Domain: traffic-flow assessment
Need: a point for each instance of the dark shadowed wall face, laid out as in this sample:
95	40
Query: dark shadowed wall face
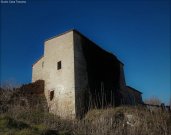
103	75
103	71
136	95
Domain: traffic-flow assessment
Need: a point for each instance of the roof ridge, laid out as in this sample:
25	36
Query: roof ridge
61	34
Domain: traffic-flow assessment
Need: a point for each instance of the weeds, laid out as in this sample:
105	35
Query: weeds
19	116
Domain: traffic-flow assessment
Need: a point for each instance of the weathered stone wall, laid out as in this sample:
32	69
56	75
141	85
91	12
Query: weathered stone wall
98	72
37	70
89	76
81	75
60	81
135	96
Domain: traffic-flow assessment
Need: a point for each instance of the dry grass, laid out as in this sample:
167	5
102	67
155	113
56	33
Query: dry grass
127	120
17	118
153	101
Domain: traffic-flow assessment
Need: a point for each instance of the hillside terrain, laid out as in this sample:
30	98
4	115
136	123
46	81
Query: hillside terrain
23	111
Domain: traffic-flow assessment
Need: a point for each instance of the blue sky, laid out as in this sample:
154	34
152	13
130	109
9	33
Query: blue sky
137	31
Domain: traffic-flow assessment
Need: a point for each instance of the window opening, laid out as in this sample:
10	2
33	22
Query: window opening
59	65
51	95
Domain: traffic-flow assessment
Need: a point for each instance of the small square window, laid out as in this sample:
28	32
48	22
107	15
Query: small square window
59	65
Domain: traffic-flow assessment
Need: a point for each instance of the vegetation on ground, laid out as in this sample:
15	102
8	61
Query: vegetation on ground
27	114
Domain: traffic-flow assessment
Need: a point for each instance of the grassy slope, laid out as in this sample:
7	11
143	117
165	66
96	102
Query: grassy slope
25	113
11	126
112	121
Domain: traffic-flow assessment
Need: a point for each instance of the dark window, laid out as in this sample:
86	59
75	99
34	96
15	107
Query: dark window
59	65
51	95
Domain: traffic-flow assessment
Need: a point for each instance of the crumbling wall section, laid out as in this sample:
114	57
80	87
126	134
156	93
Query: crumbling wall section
37	70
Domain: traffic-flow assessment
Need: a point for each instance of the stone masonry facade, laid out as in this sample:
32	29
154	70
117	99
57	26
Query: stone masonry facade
80	75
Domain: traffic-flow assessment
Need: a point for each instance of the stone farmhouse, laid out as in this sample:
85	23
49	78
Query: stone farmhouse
80	75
